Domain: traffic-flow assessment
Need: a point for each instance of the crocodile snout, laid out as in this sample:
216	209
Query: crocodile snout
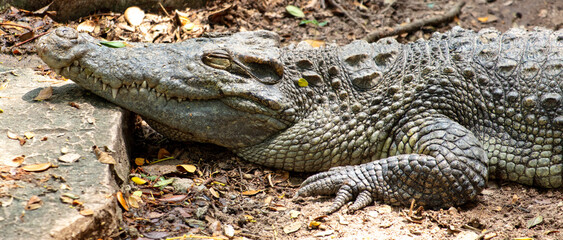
61	47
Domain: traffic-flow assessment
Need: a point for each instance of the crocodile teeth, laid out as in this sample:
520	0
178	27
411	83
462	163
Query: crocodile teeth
144	84
76	63
95	79
168	98
158	94
104	86
114	92
180	100
67	69
134	85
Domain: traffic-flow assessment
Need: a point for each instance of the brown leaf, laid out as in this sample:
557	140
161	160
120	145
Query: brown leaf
186	168
173	198
293	227
214	193
37	167
140	161
122	201
43	9
44	94
66	199
86	26
134	16
274	178
12	135
134	201
251	192
22	140
87	212
162	153
277	207
17	161
29	135
102	156
33	203
74	105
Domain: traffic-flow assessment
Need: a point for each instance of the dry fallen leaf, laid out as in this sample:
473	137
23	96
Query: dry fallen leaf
251	192
16	162
534	221
87	212
103	157
134	16
293	227
29	135
214	193
483	19
294	214
37	167
140	161
12	135
66	199
314	224
134	201
186	168
86	26
173	198
44	94
74	105
277	177
162	153
33	203
122	201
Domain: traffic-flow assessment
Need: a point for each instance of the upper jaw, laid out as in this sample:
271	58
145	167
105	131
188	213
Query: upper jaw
169	84
176	73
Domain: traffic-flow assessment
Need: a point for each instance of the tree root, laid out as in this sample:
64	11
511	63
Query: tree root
416	25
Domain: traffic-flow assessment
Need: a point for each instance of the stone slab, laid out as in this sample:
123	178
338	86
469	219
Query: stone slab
56	125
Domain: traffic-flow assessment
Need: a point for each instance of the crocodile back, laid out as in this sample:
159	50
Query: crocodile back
507	88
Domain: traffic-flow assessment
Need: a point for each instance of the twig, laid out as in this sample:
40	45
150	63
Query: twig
164	9
337	5
456	10
28	40
16	25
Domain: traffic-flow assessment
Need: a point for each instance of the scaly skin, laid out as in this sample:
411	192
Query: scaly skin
428	121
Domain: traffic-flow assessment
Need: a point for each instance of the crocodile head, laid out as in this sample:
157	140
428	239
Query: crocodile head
297	108
221	90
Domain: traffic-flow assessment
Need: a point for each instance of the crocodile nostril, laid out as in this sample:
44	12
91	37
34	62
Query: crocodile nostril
66	32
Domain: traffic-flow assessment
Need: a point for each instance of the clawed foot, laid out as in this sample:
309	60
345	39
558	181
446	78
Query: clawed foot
349	184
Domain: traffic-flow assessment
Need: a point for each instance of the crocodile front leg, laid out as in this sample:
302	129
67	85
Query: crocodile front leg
446	167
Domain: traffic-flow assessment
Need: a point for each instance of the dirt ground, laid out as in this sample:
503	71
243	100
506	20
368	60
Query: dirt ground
226	196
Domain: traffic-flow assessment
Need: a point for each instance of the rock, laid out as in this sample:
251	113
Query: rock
182	184
56	124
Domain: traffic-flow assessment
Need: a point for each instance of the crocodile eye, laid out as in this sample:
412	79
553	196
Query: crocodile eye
265	70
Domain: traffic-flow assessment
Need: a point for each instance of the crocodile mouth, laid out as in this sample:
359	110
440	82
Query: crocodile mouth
116	92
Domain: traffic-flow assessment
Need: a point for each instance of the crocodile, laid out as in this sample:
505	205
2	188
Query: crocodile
430	121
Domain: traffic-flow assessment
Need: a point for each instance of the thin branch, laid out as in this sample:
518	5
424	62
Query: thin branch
28	40
416	25
16	25
348	15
